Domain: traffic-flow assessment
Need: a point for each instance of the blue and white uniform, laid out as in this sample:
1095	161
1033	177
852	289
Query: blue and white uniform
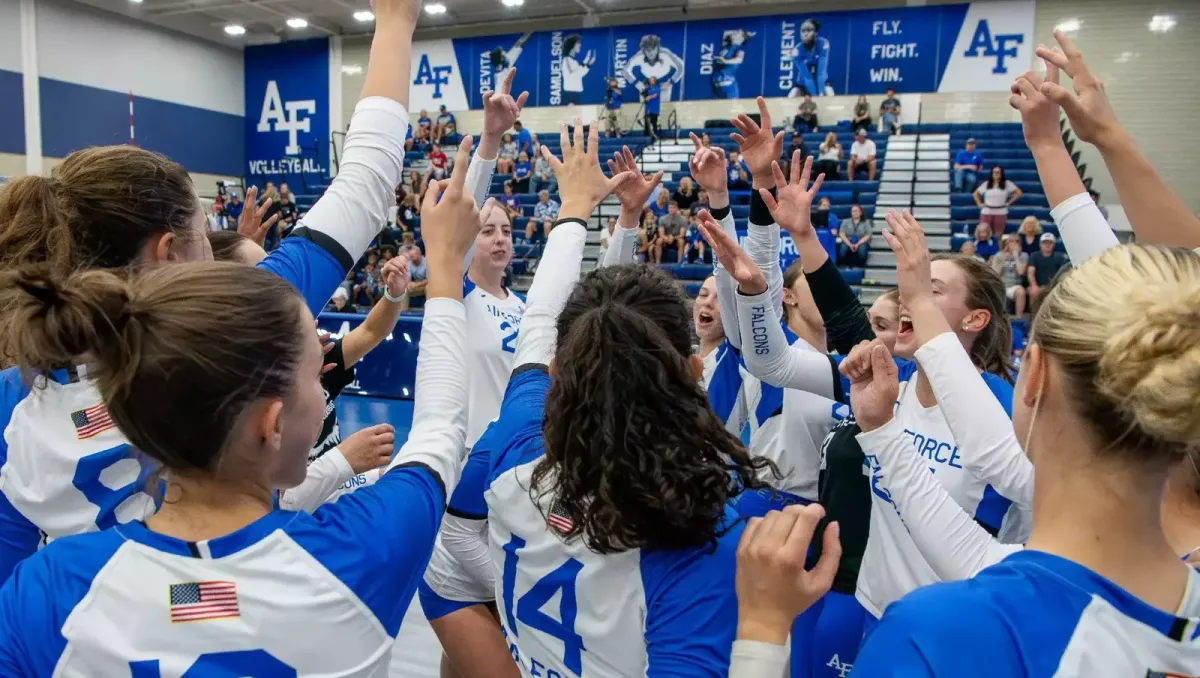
811	66
1035	614
289	593
667	68
64	469
725	68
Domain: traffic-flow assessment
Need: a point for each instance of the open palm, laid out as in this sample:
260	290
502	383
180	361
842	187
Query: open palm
792	207
740	266
707	167
634	193
759	146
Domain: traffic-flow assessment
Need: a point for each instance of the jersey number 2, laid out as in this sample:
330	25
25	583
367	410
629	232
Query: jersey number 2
509	343
246	663
528	608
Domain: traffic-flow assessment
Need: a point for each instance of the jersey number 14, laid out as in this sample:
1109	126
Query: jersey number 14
528	608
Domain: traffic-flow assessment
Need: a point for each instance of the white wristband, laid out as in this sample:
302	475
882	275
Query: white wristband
395	300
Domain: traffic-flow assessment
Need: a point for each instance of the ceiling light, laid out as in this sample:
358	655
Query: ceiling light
235	29
136	2
1161	23
353	69
297	22
364	15
513	3
435	8
1068	25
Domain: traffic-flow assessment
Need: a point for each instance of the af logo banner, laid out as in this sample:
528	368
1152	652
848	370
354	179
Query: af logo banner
287	111
437	78
994	45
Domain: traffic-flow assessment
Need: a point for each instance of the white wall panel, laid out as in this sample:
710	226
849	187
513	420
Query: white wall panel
84	46
10	35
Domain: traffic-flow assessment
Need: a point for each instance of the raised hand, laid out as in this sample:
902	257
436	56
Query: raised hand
792	207
250	223
395	276
581	182
907	240
874	384
449	224
1087	108
773	587
500	110
750	278
707	167
759	146
1039	114
634	193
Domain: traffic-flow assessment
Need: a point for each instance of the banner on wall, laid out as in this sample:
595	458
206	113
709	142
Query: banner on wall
978	46
287	111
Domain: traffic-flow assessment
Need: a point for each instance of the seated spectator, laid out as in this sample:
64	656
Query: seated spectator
661	204
889	113
739	175
824	217
652	199
650	232
705	141
522	173
417	185
1010	263
340	300
829	157
994	197
526	142
986	244
672	229
1028	233
967	165
606	234
545	213
510	201
233	210
790	152
862	114
507	155
697	249
424	123
418	272
1044	264
288	212
701	202
543	174
409	213
862	152
854	239
445	124
967	249
439	164
685	195
409	139
806	116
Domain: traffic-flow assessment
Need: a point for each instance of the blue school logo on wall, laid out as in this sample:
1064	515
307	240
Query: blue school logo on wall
433	75
292	117
287	111
1000	46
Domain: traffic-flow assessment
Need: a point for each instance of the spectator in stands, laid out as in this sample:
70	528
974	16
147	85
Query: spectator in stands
507	155
672	229
796	145
270	196
1028	234
806	116
661	204
409	213
606	234
642	253
1010	263
418	271
968	250
986	243
288	211
510	201
889	113
824	216
341	298
438	163
233	209
522	173
994	197
424	123
1044	265
854	239
650	233
705	140
612	109
862	152
445	124
652	96
367	290
545	213
543	174
967	165
652	199
701	202
1096	199
525	139
685	195
829	157
739	176
697	249
862	114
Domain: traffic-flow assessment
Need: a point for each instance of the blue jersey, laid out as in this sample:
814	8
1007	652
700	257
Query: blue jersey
812	72
725	68
570	612
289	593
1034	614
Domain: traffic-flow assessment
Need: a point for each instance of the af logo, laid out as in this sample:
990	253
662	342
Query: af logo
841	667
433	75
278	116
1002	47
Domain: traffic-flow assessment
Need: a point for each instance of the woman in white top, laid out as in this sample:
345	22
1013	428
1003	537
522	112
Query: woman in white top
994	197
829	157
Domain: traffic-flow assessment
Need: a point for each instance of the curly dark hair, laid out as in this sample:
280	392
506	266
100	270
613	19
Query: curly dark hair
634	453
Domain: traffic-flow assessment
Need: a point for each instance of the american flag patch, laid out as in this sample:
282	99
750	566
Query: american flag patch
198	601
91	422
558	518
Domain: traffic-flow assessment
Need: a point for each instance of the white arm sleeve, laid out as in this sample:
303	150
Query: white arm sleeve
478	181
981	427
755	659
762	244
355	207
727	288
439	429
325	475
556	276
1085	232
621	246
955	546
768	356
460	567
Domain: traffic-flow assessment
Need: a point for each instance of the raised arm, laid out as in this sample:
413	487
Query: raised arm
761	149
708	167
500	111
633	194
380	322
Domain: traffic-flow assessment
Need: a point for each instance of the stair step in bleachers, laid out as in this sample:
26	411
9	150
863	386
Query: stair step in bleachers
881	276
932	188
894	185
928	200
939	213
894	200
943	165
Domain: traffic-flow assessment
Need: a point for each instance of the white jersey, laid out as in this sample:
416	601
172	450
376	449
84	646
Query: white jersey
492	327
892	564
573	72
667	69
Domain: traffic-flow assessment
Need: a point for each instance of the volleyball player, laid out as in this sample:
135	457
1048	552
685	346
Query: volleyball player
212	369
66	468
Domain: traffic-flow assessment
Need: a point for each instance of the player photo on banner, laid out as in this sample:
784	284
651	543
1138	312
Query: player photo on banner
576	65
724	59
809	55
643	53
496	55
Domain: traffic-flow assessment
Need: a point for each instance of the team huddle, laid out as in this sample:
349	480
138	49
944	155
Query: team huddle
575	497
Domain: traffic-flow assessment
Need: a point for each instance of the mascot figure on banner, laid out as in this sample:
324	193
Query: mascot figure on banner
653	60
